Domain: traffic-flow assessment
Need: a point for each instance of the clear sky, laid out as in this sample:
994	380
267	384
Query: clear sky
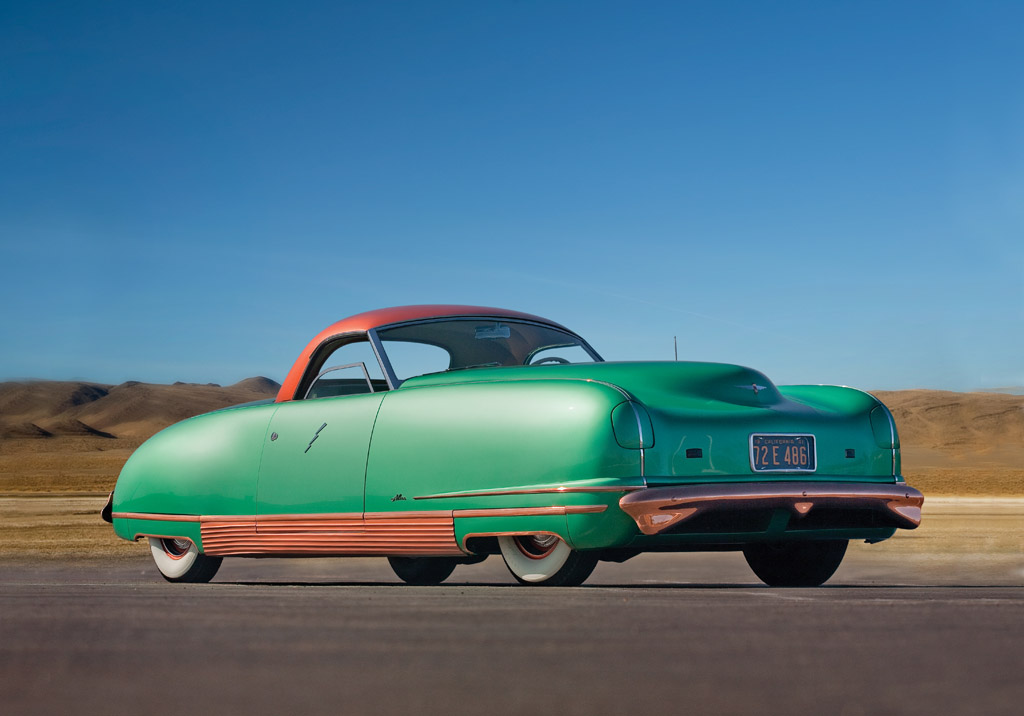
829	192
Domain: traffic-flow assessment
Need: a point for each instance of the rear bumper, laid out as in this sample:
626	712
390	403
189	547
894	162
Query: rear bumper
659	509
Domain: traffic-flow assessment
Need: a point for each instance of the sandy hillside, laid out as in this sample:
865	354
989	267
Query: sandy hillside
957	421
130	410
960	443
75	436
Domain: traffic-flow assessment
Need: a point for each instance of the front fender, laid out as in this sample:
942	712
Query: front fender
206	465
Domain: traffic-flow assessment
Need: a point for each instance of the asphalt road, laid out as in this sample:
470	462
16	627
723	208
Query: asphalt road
660	634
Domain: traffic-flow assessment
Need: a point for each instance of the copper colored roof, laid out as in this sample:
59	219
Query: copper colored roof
362	322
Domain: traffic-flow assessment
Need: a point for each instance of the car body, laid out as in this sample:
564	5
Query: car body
437	435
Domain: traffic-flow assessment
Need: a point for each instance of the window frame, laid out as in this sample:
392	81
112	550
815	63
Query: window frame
330	345
360	364
389	373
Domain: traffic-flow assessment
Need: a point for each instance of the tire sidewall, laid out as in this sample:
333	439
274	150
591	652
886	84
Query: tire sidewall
533	570
795	564
173	567
422	571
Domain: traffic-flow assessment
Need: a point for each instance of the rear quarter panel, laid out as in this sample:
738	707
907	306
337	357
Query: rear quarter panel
479	436
513	436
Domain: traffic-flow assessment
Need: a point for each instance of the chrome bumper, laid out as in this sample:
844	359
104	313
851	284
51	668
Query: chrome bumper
657	509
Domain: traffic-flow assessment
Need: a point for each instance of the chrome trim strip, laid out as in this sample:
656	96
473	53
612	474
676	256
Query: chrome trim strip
529	491
625	393
382	358
892	433
360	364
640	431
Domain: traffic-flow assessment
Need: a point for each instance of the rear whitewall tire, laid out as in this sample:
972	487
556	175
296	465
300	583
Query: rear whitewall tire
545	560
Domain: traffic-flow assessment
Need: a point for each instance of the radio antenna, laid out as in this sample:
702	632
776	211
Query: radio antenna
675	343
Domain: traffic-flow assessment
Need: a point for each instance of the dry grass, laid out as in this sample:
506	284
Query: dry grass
55	527
62	464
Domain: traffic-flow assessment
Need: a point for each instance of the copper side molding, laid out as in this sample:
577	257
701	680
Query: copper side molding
155	517
534	491
658	508
409	533
530	511
424	533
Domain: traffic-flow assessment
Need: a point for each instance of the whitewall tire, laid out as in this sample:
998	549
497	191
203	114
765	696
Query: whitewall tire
545	560
179	560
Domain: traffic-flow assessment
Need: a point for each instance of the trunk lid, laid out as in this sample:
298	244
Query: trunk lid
704	415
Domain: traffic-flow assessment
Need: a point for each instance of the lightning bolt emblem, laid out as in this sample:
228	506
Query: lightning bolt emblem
314	438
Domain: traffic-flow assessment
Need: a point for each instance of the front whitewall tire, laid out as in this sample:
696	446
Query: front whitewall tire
179	560
172	566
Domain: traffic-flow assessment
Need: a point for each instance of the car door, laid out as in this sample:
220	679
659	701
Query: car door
314	463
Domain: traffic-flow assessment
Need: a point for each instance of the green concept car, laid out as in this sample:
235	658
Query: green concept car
438	435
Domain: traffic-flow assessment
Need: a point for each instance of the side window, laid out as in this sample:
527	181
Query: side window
352	369
410	359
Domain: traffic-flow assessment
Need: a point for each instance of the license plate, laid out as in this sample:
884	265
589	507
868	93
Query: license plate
782	453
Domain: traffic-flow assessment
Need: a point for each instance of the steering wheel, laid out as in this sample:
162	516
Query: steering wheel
551	359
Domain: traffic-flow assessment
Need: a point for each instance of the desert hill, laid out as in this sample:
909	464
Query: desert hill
130	410
942	420
960	443
258	385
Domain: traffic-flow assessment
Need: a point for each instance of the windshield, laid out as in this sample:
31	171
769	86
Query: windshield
459	343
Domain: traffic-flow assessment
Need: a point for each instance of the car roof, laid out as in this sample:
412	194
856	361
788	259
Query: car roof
363	322
401	314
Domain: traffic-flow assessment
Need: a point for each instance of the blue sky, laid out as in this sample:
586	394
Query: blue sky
828	192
